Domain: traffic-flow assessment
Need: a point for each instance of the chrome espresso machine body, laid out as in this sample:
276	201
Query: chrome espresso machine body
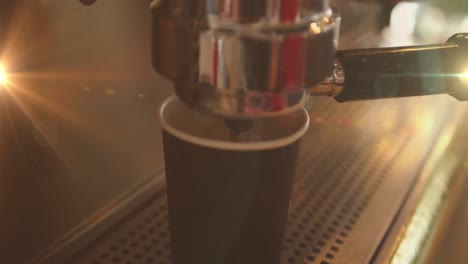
242	59
82	169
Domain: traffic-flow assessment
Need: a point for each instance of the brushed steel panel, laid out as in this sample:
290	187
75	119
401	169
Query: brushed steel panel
358	164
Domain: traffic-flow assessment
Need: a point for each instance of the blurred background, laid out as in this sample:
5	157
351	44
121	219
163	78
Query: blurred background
79	132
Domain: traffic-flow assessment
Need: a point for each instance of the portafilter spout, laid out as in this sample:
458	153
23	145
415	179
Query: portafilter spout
241	58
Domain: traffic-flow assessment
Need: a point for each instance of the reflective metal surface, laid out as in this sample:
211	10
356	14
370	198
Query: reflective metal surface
80	143
267	11
244	59
430	224
333	85
79	126
449	247
354	176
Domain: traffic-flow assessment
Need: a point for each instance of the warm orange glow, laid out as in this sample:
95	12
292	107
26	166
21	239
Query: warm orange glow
3	76
464	76
315	28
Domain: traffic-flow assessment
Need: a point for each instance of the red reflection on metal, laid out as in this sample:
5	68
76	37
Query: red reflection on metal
288	10
214	63
290	52
277	103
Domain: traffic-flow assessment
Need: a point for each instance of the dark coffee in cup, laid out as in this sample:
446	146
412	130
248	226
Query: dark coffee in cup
228	202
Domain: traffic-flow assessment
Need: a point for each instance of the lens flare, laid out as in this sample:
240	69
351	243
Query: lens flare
464	76
3	76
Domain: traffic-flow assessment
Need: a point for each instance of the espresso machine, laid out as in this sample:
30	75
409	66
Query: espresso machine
379	181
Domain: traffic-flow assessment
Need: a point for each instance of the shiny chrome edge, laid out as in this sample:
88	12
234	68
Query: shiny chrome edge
333	85
95	226
391	197
210	58
246	105
446	213
394	247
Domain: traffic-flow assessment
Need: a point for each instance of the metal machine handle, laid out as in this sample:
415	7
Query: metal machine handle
394	72
366	74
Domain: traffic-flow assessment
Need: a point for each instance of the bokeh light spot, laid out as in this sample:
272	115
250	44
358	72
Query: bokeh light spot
3	76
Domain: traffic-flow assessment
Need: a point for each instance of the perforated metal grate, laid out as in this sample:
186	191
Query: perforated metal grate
329	201
342	166
333	187
141	240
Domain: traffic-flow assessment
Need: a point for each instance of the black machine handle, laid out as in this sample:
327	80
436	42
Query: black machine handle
406	71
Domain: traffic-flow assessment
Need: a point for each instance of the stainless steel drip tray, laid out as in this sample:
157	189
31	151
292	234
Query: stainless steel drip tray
358	164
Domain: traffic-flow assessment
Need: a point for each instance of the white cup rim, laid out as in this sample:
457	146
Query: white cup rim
228	145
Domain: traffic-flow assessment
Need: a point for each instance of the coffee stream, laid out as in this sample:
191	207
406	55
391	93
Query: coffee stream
237	126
